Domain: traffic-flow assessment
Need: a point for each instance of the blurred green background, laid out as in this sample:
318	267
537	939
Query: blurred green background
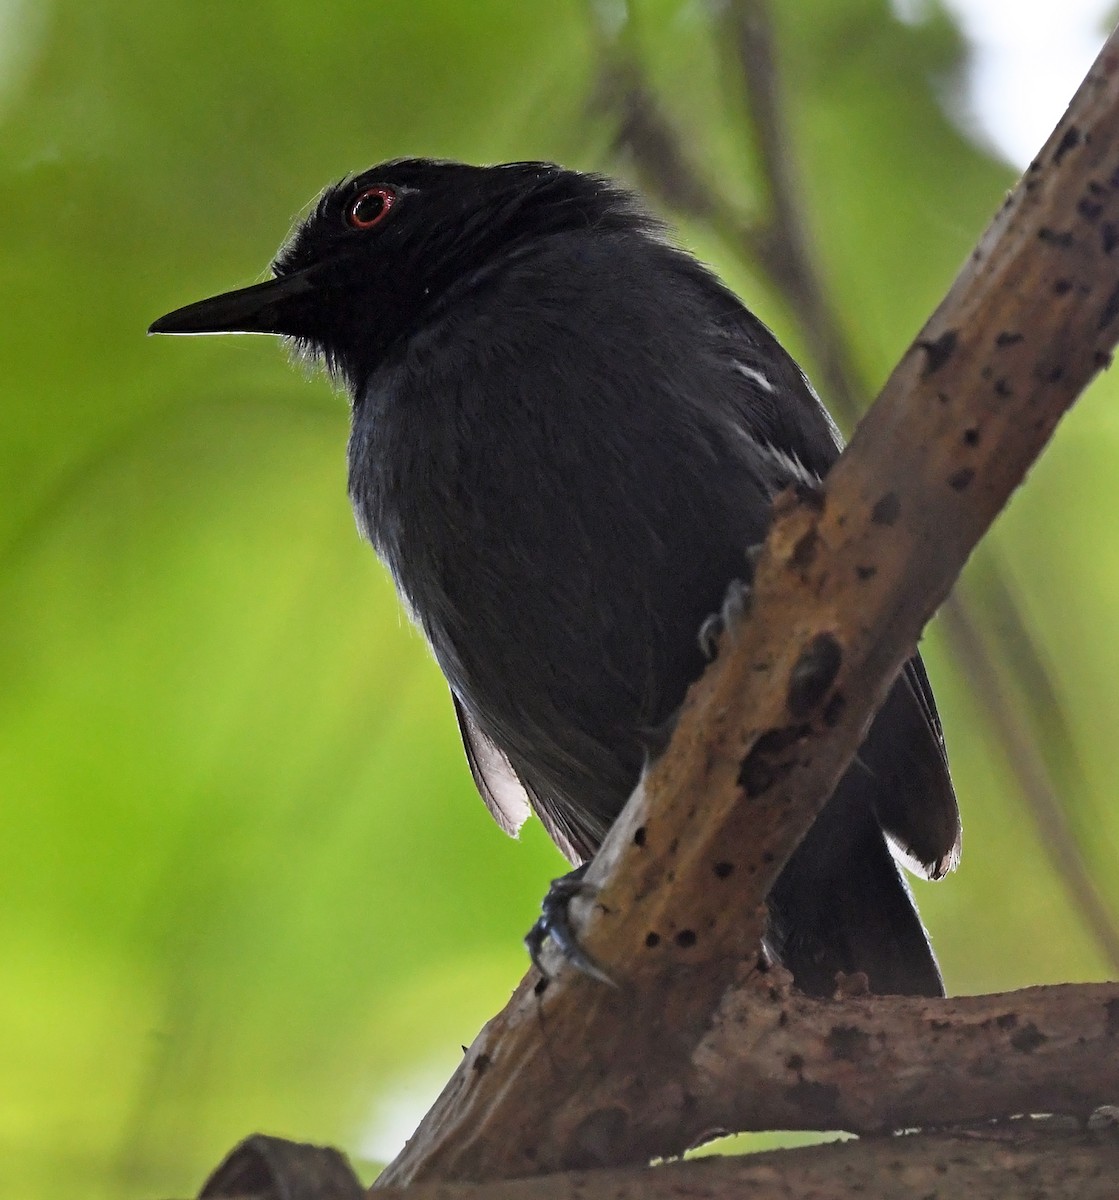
245	882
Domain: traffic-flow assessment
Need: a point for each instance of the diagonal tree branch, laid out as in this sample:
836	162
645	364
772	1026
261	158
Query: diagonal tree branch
781	247
573	1073
1055	834
749	24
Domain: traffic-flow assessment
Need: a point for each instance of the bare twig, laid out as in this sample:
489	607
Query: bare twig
1055	834
790	259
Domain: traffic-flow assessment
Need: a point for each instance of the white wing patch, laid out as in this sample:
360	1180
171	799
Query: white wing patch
754	376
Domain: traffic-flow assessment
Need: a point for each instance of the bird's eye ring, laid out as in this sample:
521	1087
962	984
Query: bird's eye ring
370	207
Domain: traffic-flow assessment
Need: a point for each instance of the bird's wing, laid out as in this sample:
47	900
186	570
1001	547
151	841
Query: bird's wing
495	779
914	797
776	405
910	786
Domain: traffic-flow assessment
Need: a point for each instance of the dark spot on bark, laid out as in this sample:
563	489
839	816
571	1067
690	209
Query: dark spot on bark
1111	1028
1062	287
1062	239
482	1063
960	479
1008	339
652	940
817	1099
848	1043
774	741
1110	309
541	987
723	869
1101	360
940	1026
794	1062
685	939
755	775
1028	1038
865	573
1007	1021
1096	188
1089	209
813	675
887	510
986	373
938	352
1034	166
805	549
783	1019
1109	236
834	709
1002	387
639	836
943	397
1070	141
971	436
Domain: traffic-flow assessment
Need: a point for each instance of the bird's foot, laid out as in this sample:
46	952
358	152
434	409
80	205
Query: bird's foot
554	922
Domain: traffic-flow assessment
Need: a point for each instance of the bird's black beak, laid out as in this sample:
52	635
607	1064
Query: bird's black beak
274	306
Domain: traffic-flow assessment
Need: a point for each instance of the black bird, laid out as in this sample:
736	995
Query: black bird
566	434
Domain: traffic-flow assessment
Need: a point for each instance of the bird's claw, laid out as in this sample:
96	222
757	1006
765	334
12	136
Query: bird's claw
554	923
735	606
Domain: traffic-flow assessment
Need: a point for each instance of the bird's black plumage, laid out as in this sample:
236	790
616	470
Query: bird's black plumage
566	434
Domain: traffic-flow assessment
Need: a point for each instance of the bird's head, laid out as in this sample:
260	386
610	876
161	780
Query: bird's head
384	251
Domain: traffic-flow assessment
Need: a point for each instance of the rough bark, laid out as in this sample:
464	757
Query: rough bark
998	1164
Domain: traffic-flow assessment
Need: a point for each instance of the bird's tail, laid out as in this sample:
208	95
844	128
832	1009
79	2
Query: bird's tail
842	904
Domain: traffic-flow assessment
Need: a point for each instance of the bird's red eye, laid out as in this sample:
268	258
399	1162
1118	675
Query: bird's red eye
370	207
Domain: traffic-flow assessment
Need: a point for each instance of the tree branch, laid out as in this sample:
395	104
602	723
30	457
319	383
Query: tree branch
775	1059
781	247
1004	1163
576	1074
791	267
